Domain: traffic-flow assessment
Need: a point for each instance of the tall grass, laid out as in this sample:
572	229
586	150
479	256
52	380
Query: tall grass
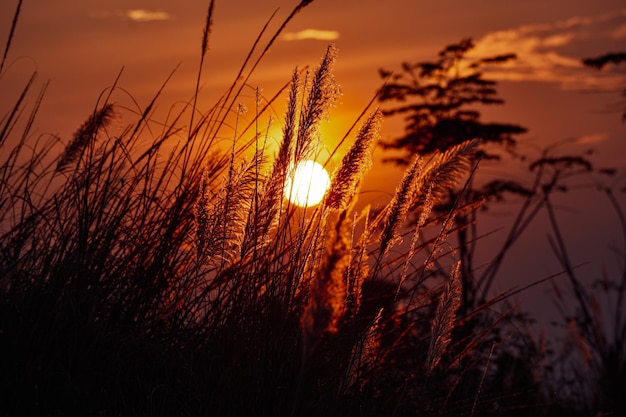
174	278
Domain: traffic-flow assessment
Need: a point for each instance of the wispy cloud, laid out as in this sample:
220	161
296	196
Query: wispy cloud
141	15
323	35
547	52
619	32
592	138
136	15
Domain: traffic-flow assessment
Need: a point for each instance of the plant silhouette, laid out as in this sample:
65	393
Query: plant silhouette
439	101
605	60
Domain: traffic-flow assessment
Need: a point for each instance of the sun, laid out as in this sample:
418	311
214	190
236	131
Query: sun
308	184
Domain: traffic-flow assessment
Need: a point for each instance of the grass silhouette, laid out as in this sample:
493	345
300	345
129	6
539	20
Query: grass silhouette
165	273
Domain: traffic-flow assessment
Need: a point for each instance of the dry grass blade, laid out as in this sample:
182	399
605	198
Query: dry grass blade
482	379
294	12
425	213
443	321
203	216
244	80
359	267
327	298
10	119
11	33
365	355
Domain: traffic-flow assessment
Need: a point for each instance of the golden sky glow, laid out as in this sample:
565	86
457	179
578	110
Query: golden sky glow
81	46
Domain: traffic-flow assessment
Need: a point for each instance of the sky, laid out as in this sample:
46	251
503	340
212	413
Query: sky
80	47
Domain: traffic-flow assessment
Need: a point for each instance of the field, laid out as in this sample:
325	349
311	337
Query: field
164	272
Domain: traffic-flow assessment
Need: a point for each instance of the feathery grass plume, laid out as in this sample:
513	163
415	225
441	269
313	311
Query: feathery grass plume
359	267
327	295
443	172
322	94
208	26
85	135
365	354
443	321
221	219
354	164
271	196
427	208
251	240
285	152
206	33
204	238
440	241
229	181
399	206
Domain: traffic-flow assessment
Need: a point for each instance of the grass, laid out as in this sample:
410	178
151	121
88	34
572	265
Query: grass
174	278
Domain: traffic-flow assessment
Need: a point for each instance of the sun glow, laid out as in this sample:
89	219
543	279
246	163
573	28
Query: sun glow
308	184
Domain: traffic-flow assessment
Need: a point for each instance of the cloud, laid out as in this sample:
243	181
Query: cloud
141	15
592	138
619	32
136	15
545	52
322	35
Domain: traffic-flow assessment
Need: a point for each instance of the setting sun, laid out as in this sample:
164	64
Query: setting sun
308	184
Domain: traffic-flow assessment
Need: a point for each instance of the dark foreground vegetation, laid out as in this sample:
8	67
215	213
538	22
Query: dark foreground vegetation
161	272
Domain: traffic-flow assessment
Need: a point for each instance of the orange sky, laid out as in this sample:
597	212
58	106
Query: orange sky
80	46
